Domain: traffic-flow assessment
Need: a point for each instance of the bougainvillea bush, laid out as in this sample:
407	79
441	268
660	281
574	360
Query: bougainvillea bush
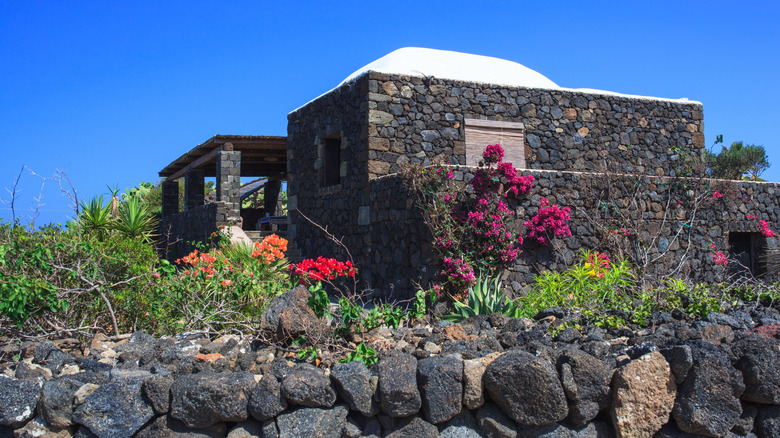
474	228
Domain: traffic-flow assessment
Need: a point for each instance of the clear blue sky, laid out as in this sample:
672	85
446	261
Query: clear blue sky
111	92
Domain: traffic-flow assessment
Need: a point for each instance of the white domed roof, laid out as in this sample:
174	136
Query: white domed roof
416	61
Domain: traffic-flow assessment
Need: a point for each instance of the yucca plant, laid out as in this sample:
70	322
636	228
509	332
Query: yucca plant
96	217
135	220
485	298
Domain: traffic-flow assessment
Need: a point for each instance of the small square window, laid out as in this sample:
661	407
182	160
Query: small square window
481	133
748	254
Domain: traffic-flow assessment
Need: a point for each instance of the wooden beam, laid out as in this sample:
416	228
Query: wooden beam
199	162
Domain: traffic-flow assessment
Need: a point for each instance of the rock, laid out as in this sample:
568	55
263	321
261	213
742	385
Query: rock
514	382
441	389
313	422
56	402
462	426
265	400
31	371
768	422
414	427
202	400
246	429
758	358
746	421
116	409
308	388
723	319
83	392
549	431
398	393
586	382
473	370
288	316
38	427
19	399
708	400
167	427
680	360
494	423
643	397
353	383
157	390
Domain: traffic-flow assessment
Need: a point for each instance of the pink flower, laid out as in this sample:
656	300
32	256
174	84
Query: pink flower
716	194
719	259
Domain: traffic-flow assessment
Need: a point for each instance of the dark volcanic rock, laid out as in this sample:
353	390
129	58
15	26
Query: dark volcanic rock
288	316
398	393
708	400
18	399
265	400
680	360
56	402
313	422
586	383
116	409
440	380
494	423
167	427
515	381
308	388
414	427
353	382
464	425
768	422
157	390
759	360
202	400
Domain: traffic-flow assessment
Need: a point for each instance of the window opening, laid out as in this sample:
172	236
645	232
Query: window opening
331	162
510	135
748	254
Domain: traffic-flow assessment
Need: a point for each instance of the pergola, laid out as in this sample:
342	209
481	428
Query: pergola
228	158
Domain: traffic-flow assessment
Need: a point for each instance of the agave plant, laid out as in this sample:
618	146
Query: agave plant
96	217
485	297
135	220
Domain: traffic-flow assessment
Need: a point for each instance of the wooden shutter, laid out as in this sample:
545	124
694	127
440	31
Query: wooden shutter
510	135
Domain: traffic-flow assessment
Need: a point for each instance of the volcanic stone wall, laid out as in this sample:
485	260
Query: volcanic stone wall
179	231
338	114
489	376
422	119
401	255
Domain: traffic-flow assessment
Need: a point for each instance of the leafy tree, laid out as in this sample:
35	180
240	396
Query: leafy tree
737	161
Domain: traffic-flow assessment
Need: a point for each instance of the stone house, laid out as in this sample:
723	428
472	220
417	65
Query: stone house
344	150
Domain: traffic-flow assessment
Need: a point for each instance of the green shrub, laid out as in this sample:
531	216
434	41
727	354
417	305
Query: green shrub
485	298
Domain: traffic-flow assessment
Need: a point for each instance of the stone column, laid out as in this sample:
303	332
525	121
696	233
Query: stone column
229	182
194	182
271	197
170	198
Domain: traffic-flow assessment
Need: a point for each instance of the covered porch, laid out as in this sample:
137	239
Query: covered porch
262	160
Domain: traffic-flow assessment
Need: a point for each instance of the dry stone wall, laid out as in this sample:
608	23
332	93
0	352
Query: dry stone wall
178	231
401	254
487	376
423	119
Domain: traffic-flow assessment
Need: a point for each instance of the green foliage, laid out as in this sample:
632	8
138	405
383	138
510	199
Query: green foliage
485	298
319	301
96	217
418	306
135	220
363	353
594	285
737	161
350	312
309	353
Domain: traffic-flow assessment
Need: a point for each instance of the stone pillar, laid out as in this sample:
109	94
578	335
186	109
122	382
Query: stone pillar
229	182
194	188
170	198
271	197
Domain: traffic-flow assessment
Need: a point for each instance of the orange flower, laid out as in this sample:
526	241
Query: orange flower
270	249
226	283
